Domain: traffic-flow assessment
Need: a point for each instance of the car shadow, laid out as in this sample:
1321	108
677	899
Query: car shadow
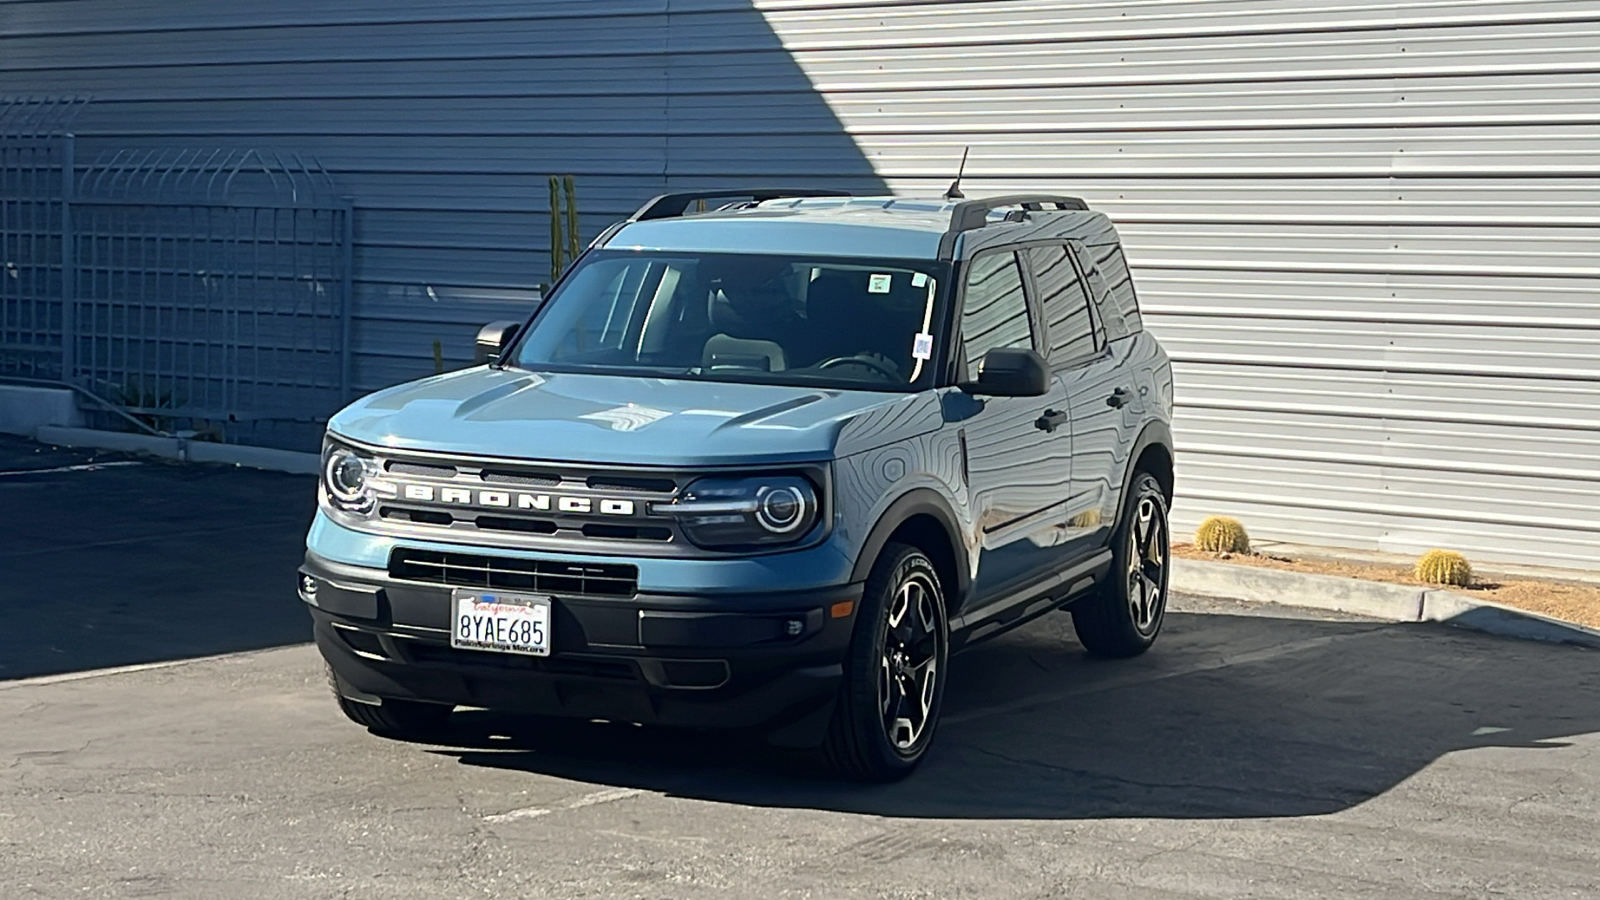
1231	716
143	561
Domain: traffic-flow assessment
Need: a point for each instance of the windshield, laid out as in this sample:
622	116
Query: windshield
847	323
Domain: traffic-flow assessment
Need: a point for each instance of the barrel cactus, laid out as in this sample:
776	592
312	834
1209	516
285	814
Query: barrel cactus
1220	534
1444	567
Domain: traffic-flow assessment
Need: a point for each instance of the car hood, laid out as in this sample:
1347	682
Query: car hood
630	420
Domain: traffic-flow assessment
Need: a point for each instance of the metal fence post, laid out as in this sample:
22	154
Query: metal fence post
69	263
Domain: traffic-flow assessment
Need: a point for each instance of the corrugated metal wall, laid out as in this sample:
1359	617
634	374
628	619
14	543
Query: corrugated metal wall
442	121
1369	233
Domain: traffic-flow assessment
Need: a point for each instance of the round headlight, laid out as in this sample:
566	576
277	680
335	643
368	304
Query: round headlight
345	475
782	509
751	511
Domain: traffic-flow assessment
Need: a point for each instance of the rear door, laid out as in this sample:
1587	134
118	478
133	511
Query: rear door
1018	472
1091	370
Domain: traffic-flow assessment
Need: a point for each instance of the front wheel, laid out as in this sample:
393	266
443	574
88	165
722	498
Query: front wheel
1125	615
889	703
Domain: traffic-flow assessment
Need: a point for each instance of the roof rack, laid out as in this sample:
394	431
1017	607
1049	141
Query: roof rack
970	214
668	206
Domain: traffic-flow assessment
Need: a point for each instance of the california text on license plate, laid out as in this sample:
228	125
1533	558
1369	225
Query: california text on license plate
507	623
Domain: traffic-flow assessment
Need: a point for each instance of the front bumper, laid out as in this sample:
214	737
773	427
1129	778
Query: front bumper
766	659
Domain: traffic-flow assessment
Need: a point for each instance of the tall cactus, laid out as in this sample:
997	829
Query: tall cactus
565	244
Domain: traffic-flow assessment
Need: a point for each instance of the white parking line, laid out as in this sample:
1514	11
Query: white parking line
84	467
609	795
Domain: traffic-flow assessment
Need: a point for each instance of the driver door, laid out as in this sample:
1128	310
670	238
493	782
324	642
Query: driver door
1019	472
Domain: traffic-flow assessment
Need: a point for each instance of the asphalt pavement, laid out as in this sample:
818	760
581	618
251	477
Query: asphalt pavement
1256	752
111	560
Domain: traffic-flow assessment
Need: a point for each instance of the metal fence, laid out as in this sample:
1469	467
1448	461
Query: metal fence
211	293
34	183
198	291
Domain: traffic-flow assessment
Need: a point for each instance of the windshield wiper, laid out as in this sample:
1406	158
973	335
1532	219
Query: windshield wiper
636	371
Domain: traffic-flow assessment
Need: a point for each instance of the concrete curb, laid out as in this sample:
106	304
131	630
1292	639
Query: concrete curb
1394	602
24	408
181	449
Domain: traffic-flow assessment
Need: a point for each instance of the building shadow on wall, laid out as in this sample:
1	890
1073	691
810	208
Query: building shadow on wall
442	121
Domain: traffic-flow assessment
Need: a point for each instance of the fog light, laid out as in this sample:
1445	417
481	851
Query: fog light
794	627
308	588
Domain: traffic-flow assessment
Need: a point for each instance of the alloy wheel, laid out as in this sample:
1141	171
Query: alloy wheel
1147	565
908	666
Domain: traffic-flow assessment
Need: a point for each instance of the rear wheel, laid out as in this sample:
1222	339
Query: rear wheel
1125	615
399	718
889	703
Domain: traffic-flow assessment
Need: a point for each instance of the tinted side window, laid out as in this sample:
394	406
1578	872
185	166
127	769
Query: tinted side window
994	312
1113	267
1113	312
1066	304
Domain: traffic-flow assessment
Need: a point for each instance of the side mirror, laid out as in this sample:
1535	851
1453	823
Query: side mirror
1011	372
493	339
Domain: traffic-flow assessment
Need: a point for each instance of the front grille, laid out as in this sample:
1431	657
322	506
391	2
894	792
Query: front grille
406	468
532	479
629	483
539	576
422	516
526	526
625	532
532	510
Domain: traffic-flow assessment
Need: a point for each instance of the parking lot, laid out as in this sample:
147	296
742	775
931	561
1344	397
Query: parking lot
1257	752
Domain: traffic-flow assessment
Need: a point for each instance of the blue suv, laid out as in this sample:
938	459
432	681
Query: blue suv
764	467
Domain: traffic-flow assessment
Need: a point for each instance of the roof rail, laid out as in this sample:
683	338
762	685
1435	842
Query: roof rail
669	206
970	214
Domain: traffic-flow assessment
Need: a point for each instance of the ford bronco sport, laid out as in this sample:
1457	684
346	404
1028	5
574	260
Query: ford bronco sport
765	467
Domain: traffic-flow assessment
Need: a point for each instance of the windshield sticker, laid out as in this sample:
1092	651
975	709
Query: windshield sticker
918	279
627	418
879	284
922	347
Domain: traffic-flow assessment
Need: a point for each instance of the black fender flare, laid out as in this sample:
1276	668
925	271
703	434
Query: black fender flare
1155	433
915	502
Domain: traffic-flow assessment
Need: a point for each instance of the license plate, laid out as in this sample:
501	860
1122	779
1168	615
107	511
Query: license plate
504	623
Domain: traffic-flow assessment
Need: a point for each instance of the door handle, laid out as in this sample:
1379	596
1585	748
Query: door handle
1051	420
1119	398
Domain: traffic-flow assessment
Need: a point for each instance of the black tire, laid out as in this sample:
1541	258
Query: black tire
1123	618
398	718
900	647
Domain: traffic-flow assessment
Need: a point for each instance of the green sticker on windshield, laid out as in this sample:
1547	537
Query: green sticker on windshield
879	284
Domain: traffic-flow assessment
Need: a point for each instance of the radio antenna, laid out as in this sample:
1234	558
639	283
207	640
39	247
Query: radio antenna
955	186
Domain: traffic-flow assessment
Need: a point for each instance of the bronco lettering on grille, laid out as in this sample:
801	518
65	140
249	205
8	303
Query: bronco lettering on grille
518	500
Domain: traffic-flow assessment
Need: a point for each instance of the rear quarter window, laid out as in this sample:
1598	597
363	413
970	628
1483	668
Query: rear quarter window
1114	269
1112	286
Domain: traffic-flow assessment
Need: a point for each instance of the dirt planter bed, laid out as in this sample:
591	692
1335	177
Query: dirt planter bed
1569	601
